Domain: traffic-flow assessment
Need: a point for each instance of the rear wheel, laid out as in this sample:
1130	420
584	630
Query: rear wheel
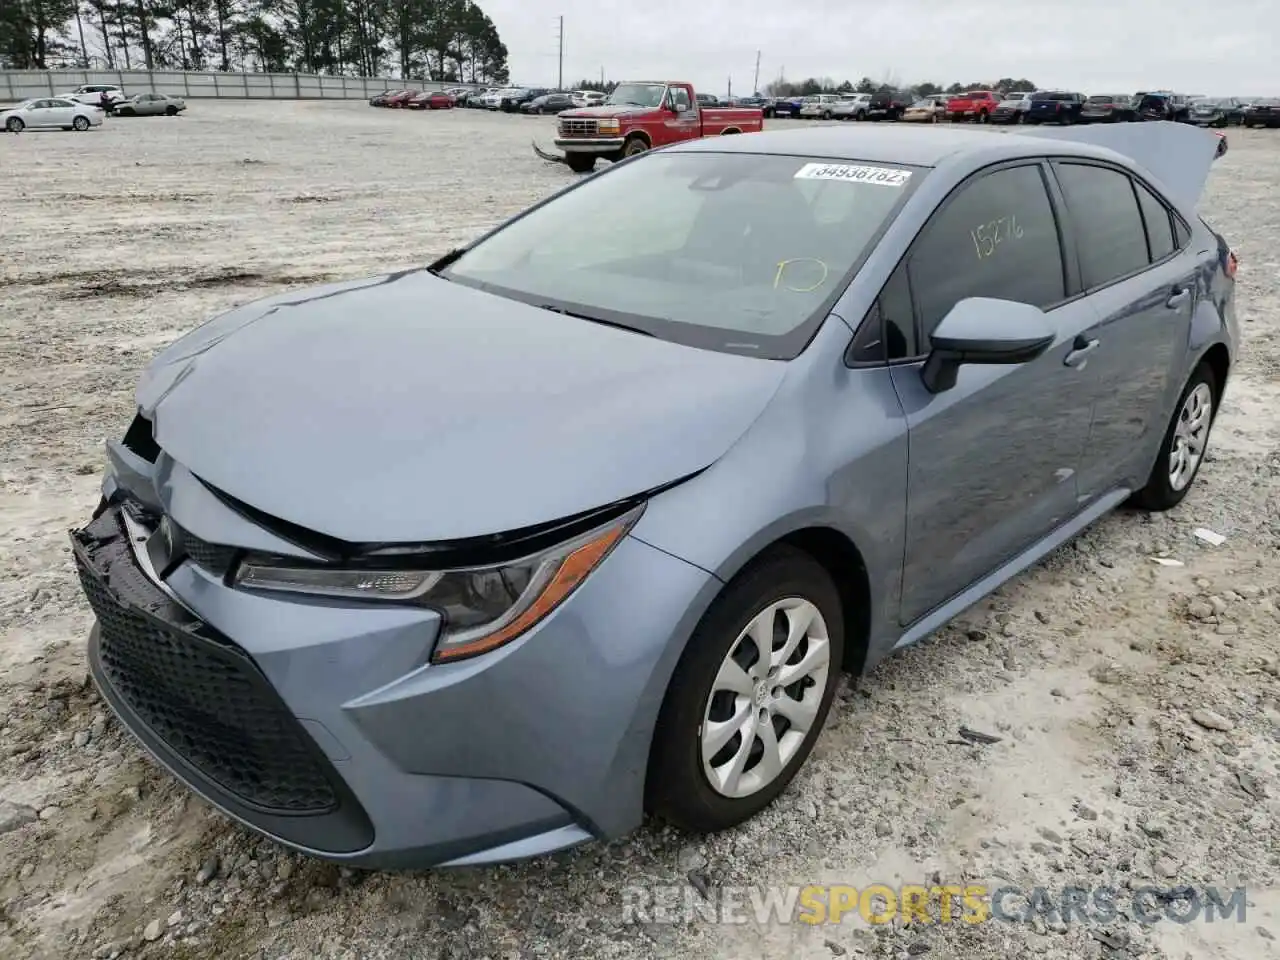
749	696
581	162
80	124
1184	446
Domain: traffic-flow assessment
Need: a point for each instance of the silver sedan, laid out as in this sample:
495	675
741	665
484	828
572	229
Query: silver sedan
151	105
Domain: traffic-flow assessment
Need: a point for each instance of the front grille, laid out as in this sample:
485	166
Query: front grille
570	128
194	690
214	557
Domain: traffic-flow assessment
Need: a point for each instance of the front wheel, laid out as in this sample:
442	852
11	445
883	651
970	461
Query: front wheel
170	111
1184	446
14	125
634	145
581	162
749	696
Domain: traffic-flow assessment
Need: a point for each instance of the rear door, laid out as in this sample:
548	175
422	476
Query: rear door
1140	278
992	460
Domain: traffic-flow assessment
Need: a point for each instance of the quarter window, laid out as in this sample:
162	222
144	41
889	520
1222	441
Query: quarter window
1110	239
888	332
997	237
1159	228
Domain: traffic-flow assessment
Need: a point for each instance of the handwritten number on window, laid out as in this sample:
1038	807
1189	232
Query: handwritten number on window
990	235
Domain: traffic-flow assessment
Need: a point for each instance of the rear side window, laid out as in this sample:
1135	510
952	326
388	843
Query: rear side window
1110	239
996	237
1159	227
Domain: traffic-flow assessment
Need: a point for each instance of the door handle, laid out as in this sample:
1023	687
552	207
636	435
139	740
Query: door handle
1080	351
1178	297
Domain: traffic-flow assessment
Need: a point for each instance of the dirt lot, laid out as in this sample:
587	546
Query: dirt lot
1138	703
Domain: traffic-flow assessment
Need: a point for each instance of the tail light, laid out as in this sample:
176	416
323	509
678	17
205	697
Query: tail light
1059	108
1231	264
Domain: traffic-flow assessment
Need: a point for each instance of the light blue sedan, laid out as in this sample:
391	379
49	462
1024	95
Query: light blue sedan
484	560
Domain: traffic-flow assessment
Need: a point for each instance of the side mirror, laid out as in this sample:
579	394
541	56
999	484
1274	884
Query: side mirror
984	330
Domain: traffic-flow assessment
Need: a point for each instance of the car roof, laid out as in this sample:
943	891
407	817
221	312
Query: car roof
878	143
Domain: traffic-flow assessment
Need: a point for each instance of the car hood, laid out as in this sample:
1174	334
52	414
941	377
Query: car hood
616	110
409	408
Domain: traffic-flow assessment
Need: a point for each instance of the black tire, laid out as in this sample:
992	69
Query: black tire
14	125
170	111
860	115
581	162
676	786
80	124
1158	494
633	146
982	116
125	112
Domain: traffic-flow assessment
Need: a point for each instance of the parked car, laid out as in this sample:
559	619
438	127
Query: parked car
977	105
150	105
1263	113
1013	108
493	99
588	98
400	101
1055	106
382	99
852	106
931	109
641	115
1107	108
92	94
1217	112
431	100
549	103
707	100
885	106
43	113
513	100
1162	105
780	107
819	106
472	642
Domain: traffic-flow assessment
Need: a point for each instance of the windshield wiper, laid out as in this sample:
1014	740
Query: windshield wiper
435	268
582	316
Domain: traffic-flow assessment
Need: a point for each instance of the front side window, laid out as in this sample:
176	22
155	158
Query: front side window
1110	239
738	252
996	237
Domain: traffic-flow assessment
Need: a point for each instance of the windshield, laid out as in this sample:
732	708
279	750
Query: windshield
638	94
729	251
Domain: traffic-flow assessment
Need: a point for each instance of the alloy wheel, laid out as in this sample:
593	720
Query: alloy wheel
765	698
1190	436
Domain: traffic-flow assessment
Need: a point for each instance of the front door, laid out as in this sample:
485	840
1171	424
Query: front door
685	124
1143	289
993	460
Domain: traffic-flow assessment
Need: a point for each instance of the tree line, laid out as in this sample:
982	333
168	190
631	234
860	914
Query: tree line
443	40
814	85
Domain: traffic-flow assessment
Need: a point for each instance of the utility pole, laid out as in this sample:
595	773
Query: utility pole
755	87
560	37
730	93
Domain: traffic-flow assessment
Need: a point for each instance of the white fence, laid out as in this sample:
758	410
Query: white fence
17	85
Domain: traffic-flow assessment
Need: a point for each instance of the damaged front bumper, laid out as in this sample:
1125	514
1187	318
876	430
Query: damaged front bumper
322	724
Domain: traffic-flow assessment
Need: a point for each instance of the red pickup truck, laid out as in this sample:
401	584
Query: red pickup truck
639	116
973	105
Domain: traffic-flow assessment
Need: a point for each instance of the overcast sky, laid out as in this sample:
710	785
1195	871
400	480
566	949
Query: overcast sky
1225	47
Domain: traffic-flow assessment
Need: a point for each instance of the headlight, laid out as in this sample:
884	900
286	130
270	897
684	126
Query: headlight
608	126
483	607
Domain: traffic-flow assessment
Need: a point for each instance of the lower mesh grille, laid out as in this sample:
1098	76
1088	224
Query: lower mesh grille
197	692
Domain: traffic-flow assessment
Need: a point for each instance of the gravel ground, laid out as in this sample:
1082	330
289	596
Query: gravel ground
1138	703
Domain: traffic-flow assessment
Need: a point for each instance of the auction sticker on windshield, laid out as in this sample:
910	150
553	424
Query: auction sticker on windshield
881	176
